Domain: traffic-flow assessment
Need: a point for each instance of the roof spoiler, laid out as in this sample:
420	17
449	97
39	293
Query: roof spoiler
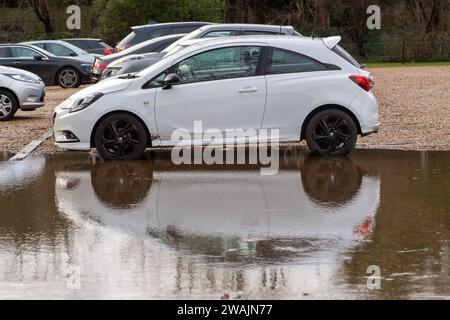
332	42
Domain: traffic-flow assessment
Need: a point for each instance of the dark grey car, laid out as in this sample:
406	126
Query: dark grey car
140	34
153	45
68	72
136	63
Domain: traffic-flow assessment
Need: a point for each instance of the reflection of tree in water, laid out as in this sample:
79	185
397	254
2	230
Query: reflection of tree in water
217	249
121	185
332	181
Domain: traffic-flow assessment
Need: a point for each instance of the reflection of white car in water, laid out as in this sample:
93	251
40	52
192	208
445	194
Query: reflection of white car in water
223	204
293	226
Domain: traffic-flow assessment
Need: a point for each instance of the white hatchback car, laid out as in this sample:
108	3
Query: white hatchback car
305	88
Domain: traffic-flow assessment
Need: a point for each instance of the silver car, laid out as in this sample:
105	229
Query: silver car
19	89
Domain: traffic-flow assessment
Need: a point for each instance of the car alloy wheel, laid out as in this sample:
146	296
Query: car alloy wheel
8	106
68	78
121	137
331	132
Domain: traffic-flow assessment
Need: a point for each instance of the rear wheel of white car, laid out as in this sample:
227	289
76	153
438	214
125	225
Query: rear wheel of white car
121	137
68	78
8	105
331	132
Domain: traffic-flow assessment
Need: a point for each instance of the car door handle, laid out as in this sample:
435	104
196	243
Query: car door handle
17	62
248	90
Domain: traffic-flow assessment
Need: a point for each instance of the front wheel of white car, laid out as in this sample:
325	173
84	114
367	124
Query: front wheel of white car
331	132
121	137
8	105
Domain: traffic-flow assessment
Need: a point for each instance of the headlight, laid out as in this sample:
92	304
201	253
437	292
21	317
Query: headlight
23	77
84	102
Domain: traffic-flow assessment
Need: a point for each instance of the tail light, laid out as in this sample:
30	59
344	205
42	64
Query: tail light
100	66
363	81
120	49
107	51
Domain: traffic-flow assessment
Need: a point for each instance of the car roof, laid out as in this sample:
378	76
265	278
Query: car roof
268	39
28	46
169	24
85	39
238	26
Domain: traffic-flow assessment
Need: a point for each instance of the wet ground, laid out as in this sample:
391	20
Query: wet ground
74	227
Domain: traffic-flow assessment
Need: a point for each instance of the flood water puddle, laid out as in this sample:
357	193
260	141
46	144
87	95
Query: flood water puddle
73	227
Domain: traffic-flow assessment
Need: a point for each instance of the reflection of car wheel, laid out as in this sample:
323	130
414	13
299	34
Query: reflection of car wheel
331	132
122	185
120	137
8	105
68	78
331	181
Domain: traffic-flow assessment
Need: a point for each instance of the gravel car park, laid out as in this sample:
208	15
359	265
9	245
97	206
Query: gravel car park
19	89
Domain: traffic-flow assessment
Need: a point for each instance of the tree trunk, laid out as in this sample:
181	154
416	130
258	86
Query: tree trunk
41	9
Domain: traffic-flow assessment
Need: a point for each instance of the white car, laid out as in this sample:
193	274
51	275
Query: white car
306	88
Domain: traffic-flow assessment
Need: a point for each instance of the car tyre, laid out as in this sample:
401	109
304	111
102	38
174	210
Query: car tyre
121	137
331	132
68	78
8	105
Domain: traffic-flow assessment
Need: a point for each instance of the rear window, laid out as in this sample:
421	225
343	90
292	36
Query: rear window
130	39
346	56
79	43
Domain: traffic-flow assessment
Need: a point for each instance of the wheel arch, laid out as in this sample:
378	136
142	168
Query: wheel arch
94	129
13	93
328	107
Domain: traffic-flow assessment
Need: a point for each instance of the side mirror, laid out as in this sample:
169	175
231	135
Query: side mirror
38	57
170	80
73	54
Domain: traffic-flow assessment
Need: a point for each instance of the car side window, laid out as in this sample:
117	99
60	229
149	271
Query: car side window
5	52
284	61
219	64
59	50
220	33
258	33
18	52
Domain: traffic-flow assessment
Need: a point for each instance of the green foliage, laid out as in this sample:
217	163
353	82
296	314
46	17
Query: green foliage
117	16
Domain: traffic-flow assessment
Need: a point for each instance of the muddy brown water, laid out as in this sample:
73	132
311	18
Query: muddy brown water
74	227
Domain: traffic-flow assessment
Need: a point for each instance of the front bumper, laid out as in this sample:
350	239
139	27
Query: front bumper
79	124
30	95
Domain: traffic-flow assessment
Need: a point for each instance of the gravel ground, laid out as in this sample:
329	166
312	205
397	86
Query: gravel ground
414	109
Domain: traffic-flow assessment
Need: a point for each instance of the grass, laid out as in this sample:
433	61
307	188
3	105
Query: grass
407	64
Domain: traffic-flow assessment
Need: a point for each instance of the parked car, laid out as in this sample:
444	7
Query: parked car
153	45
139	62
151	31
19	89
68	72
299	86
93	46
63	49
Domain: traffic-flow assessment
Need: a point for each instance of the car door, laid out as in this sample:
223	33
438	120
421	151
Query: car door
24	58
223	88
